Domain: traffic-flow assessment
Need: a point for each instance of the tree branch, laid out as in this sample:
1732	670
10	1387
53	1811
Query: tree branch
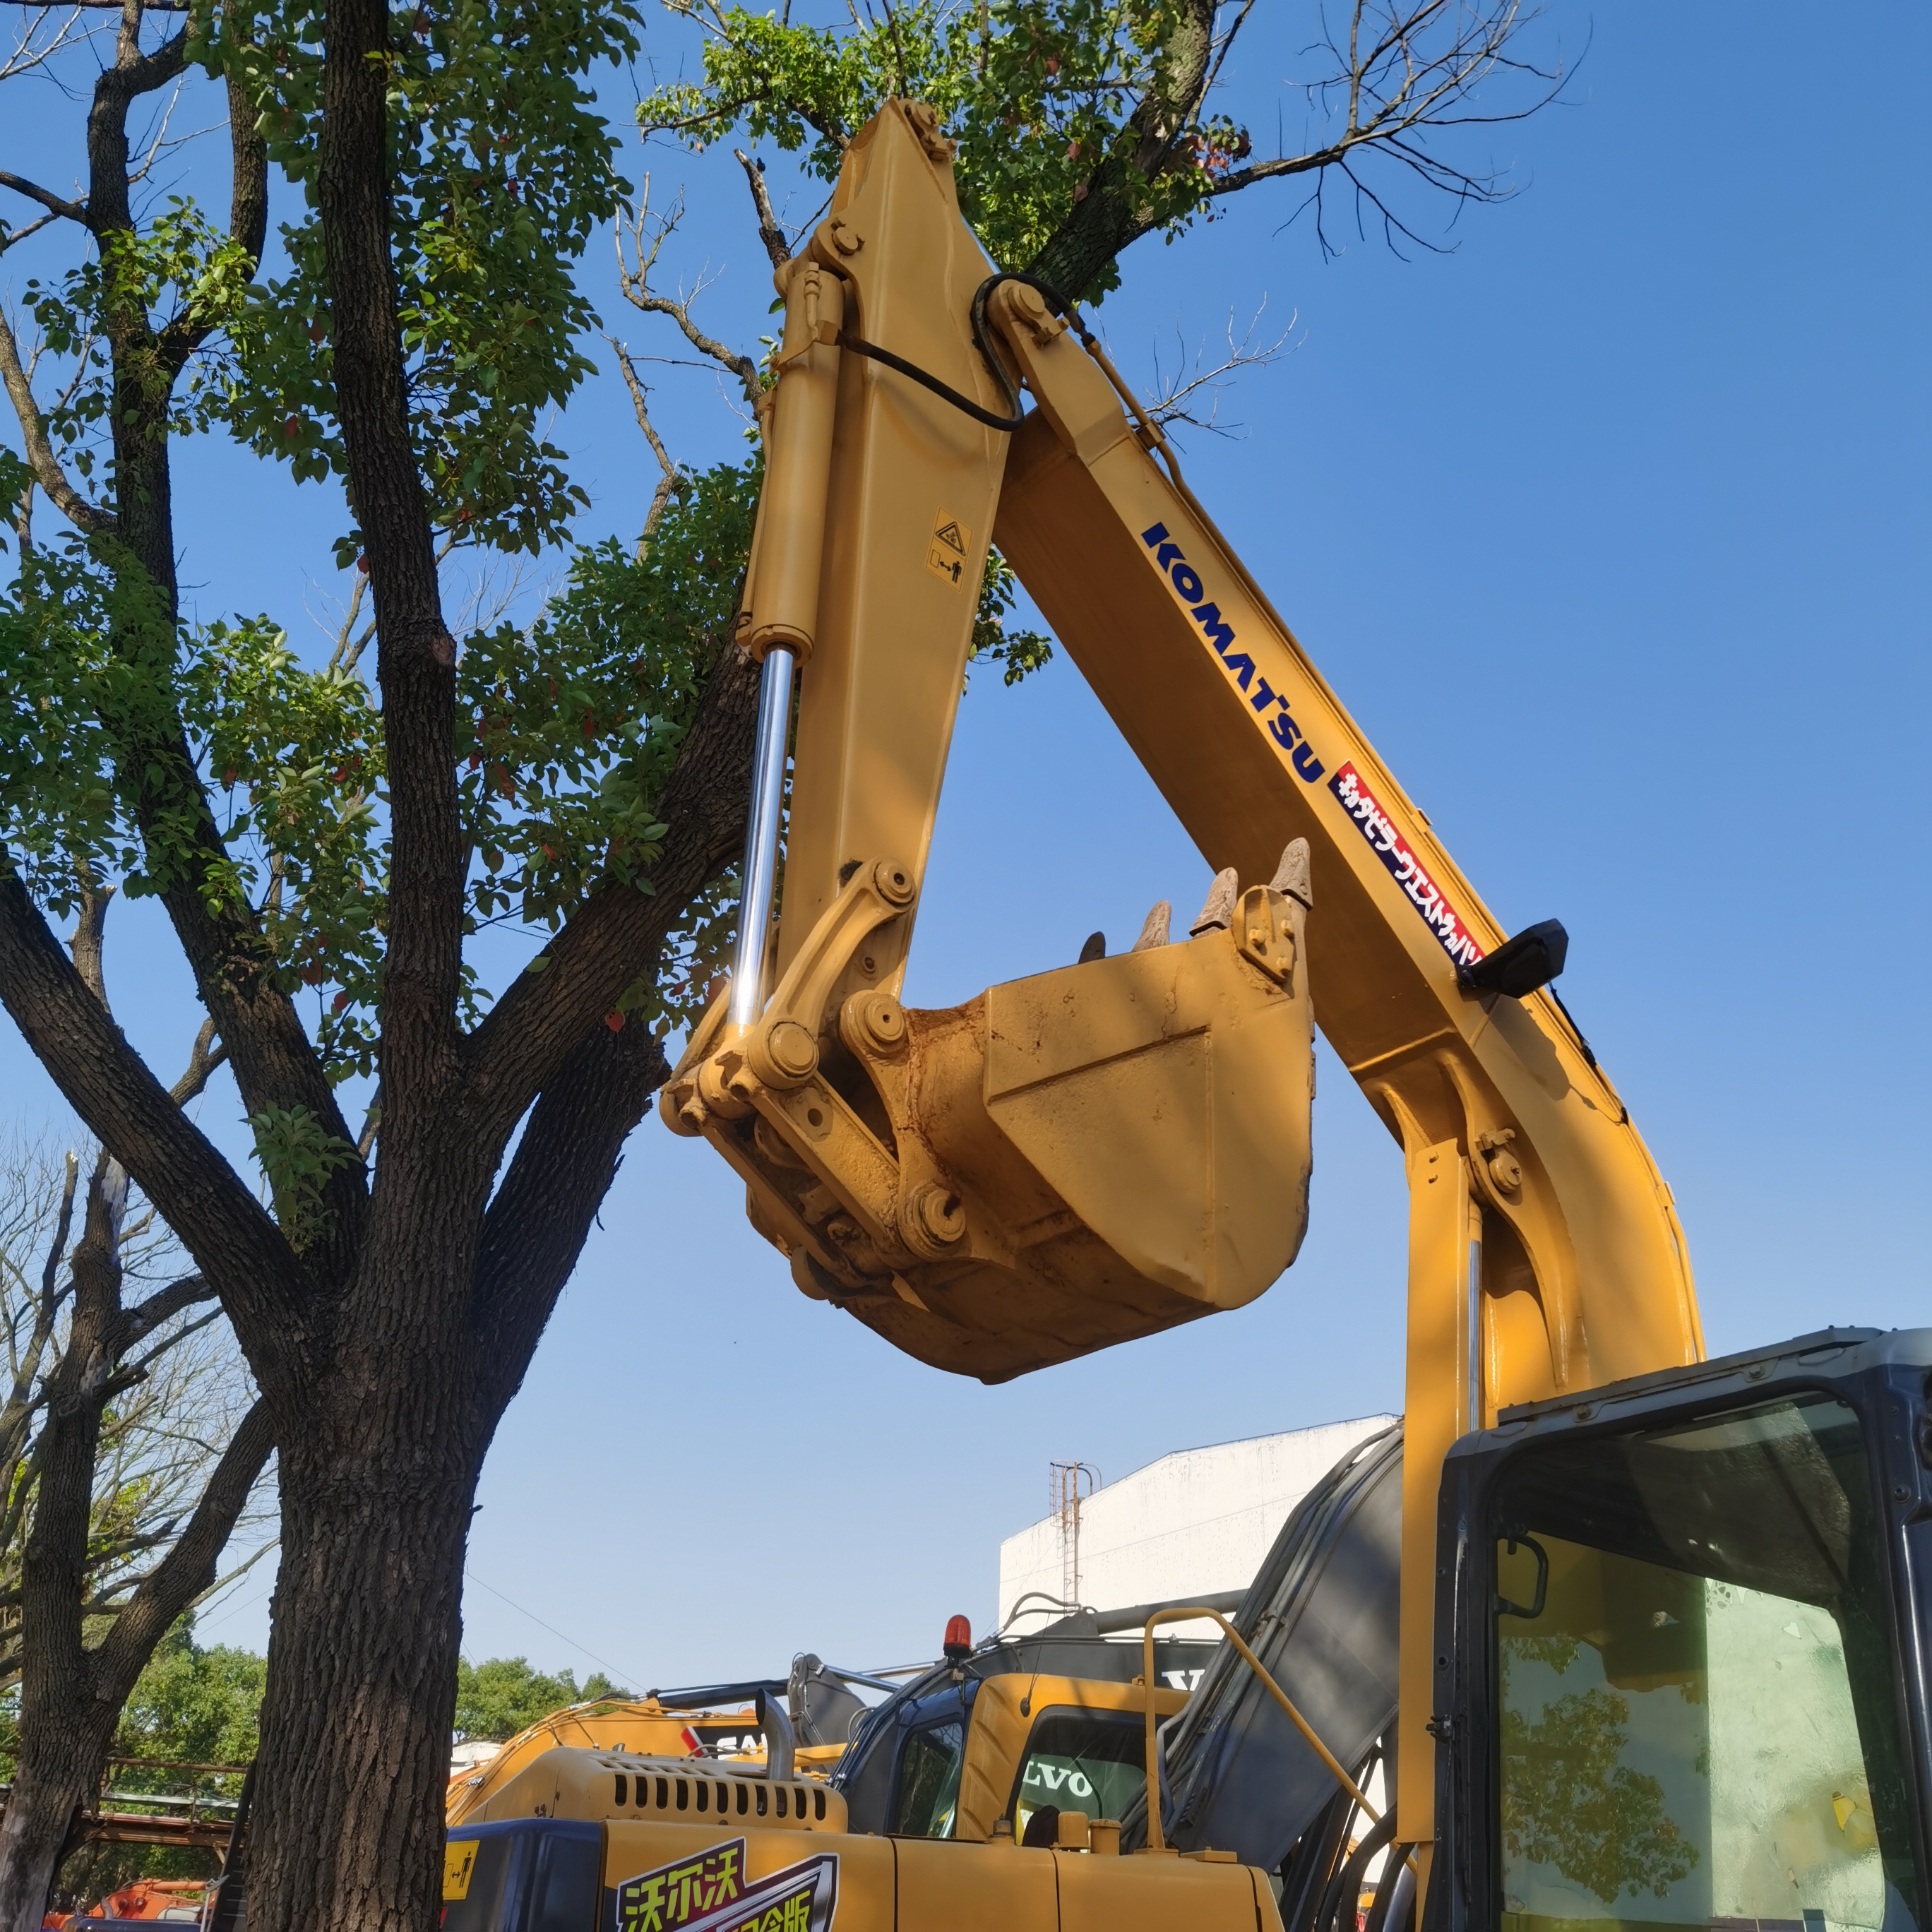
203	1058
668	482
188	1568
415	654
88	933
41	457
69	211
541	1021
222	1224
565	1161
635	284
145	1317
770	231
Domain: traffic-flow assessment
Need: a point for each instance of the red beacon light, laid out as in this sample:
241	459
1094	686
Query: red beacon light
958	1644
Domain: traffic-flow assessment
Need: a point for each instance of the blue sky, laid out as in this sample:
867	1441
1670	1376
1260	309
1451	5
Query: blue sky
1609	527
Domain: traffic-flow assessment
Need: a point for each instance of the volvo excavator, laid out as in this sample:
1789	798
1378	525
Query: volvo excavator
1622	1637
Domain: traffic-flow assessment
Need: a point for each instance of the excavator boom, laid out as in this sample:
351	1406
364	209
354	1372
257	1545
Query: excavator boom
1112	1146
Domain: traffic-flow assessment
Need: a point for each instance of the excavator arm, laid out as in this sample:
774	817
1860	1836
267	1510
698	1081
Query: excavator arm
1113	1147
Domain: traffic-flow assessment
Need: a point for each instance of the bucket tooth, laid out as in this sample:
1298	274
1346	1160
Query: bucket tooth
1219	907
1095	948
1291	876
1153	928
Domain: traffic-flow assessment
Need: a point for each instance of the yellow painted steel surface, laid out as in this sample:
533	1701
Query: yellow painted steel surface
570	1781
1004	1712
668	1867
993	1227
1070	1160
643	1727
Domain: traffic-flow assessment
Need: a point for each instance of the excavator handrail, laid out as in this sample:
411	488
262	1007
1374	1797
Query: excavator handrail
1179	1613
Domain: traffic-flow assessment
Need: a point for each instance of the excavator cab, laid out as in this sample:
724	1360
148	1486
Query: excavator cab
1683	1634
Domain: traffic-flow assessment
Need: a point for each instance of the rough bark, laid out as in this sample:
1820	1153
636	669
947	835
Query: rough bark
1114	210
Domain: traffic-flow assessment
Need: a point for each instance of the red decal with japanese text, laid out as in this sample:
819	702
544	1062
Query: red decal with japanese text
1406	869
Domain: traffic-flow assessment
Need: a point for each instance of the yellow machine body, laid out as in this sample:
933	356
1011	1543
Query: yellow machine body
643	1728
1107	1149
1068	1161
1003	1715
691	1842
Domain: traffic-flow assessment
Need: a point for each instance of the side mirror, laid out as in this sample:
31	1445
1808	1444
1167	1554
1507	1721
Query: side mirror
1519	966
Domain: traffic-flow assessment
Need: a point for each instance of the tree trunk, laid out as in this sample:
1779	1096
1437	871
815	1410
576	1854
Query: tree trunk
40	1807
347	1828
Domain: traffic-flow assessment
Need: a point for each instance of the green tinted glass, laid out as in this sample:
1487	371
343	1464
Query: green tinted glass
1696	1725
1081	1761
929	1788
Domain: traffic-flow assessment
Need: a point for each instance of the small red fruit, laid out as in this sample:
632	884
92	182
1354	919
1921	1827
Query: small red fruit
615	1021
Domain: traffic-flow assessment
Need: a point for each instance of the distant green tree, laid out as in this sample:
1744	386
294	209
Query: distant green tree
504	1695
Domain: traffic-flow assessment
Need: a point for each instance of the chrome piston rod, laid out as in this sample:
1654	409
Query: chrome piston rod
759	880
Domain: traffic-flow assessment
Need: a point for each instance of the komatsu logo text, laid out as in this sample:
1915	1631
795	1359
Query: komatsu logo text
1218	632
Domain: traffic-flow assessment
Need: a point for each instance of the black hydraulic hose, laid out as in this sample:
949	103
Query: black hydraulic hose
858	347
1347	1883
1397	1875
982	337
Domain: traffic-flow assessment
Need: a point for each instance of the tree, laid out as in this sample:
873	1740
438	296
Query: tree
128	1450
503	1695
191	1705
442	170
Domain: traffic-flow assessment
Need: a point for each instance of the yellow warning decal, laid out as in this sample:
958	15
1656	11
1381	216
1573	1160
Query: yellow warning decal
459	1861
946	553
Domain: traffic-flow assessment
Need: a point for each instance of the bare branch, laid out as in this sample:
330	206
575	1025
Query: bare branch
30	52
667	483
770	232
54	204
1406	70
1180	399
88	932
635	284
188	1569
342	647
203	1058
145	1317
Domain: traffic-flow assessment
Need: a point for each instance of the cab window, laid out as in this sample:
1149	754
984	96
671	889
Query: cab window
928	1782
1697	1720
1089	1761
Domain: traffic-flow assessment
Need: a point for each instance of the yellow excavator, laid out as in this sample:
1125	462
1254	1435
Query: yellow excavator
1624	1637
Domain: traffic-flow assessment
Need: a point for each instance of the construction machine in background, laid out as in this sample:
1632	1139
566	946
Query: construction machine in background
1632	1638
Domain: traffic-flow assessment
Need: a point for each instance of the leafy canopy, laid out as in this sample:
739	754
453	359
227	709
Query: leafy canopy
498	1699
1039	95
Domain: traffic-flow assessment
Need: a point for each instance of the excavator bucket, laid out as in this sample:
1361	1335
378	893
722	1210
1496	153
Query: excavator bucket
1067	1161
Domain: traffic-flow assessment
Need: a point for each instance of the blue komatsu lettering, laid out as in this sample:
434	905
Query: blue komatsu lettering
1168	554
1284	730
1220	635
1186	583
1307	763
1157	535
1243	668
1264	697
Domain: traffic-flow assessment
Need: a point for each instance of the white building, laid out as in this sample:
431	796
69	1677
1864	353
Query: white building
1196	1523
